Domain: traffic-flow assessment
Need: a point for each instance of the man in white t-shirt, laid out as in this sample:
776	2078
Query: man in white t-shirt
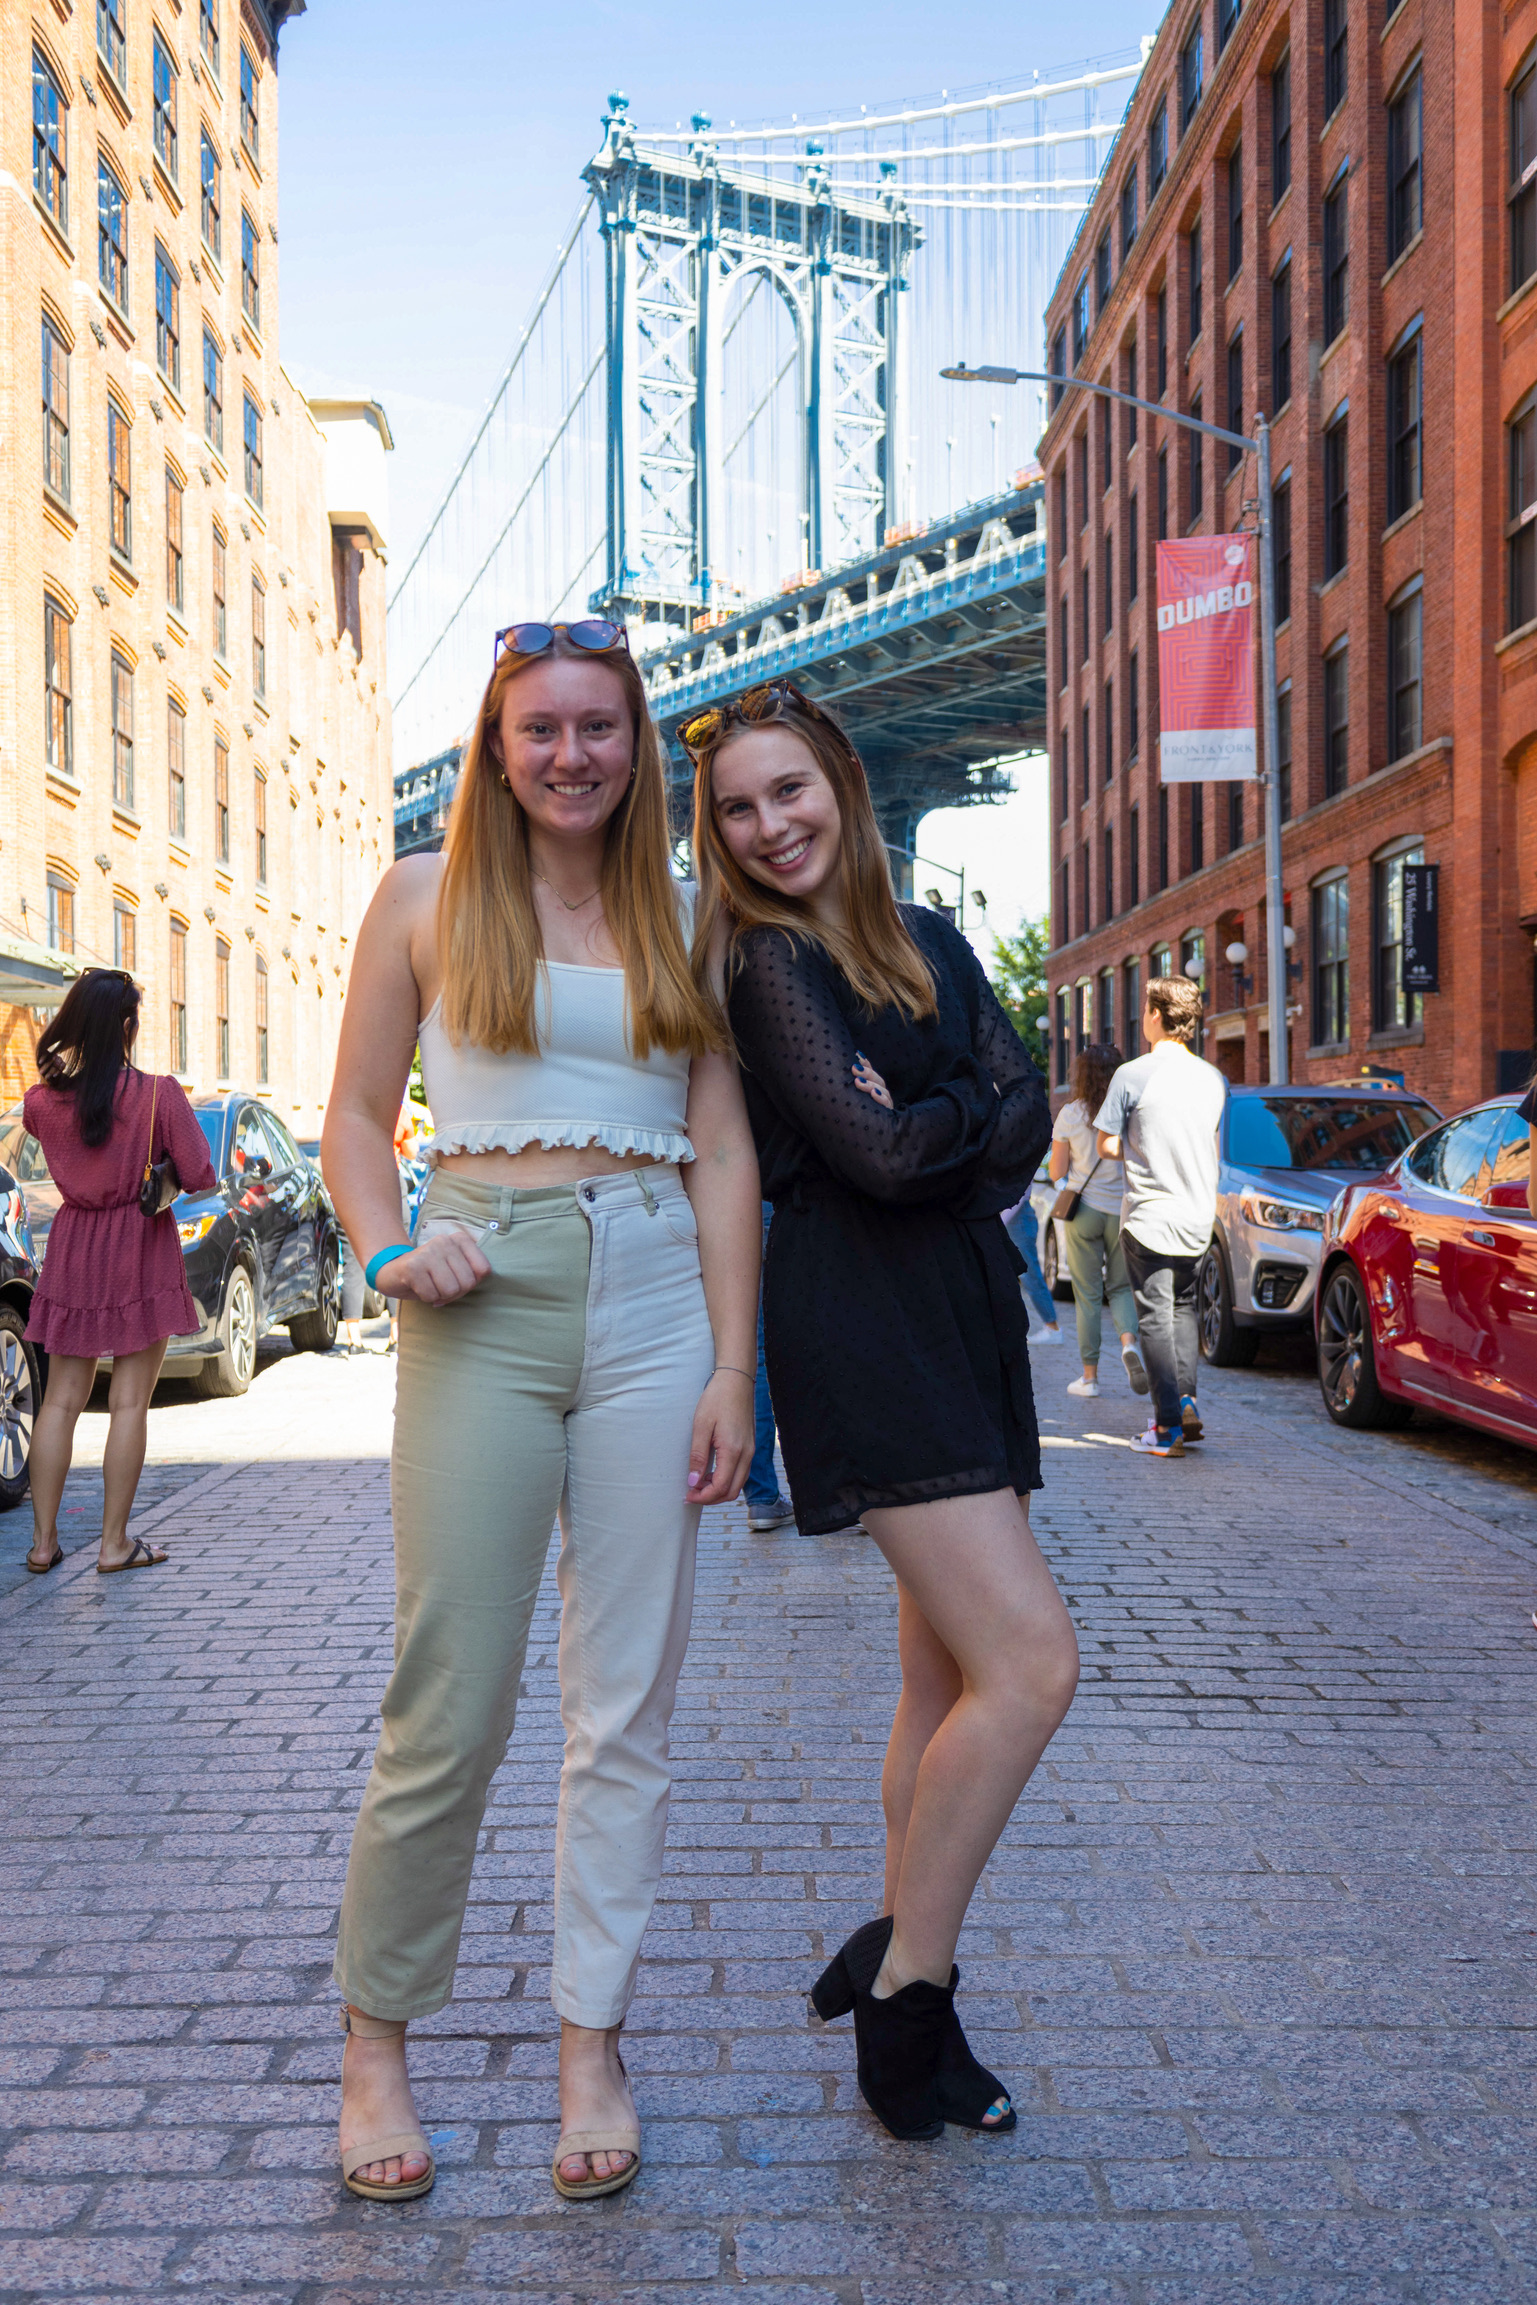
1160	1118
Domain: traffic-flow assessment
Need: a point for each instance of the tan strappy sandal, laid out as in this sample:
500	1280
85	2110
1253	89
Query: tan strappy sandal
384	2148
625	2140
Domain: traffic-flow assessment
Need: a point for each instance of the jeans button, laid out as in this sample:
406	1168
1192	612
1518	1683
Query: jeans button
589	1193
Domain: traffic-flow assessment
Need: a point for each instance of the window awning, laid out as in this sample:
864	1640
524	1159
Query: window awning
32	975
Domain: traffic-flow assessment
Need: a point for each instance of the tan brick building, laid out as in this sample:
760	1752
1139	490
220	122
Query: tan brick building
194	732
1328	211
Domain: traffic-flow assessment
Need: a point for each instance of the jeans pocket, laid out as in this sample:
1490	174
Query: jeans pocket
681	1222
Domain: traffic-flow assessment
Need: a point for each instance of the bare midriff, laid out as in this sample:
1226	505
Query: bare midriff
541	1165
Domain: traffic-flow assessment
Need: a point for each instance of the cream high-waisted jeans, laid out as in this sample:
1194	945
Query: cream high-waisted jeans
567	1381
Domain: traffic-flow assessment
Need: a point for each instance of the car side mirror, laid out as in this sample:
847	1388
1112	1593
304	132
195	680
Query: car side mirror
1509	1194
259	1169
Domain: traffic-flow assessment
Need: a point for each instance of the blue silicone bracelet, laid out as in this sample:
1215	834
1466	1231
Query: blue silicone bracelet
379	1259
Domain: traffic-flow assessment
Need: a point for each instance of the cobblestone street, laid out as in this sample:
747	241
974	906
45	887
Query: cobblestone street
1258	1955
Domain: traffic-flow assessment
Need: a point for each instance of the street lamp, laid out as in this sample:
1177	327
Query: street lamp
1280	1070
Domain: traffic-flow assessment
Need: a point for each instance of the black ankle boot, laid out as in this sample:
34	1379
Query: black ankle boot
964	2090
901	2039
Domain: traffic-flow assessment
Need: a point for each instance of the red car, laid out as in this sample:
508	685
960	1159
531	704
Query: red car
1427	1287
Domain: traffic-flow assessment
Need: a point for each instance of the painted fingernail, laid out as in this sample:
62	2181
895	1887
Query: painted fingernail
693	1480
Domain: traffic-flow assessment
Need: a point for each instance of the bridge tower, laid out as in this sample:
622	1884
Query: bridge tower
684	235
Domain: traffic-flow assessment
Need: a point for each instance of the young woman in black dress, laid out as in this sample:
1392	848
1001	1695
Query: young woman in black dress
895	1113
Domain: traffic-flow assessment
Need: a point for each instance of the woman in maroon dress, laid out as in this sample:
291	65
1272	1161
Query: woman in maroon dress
113	1280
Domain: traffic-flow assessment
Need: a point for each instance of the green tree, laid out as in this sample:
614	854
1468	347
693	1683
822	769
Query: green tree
1018	976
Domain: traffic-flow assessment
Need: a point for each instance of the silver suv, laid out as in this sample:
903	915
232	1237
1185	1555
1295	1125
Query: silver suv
1283	1155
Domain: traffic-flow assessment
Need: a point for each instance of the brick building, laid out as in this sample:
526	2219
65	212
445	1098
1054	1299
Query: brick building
1327	210
194	732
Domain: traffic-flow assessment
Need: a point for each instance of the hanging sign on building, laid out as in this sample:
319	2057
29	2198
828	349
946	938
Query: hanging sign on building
1205	660
1422	927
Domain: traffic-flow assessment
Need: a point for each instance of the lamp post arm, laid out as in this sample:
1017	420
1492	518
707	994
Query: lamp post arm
961	374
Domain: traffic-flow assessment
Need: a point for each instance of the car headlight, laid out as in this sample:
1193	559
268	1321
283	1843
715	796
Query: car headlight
1282	1216
193	1229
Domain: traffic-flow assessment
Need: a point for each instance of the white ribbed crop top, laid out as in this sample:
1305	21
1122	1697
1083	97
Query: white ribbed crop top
584	1087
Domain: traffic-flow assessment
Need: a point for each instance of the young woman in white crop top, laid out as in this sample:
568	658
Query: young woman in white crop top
578	1333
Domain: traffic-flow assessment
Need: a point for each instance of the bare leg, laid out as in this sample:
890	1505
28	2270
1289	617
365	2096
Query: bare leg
133	1382
931	1683
594	2094
70	1378
976	1574
377	2102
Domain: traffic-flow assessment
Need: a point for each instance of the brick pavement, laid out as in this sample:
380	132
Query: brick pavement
1257	1953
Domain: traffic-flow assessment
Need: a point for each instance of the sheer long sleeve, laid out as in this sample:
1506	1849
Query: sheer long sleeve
1023	1132
799	1048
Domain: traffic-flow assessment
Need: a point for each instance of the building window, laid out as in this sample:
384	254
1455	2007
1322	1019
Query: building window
213	394
173	553
1196	281
112	40
111	235
1392	1008
258	635
1234	396
1336	56
1336	720
1058	366
1404	429
1133	705
1131	1006
1133	550
1336	259
1064	778
220	569
250	270
122	732
1405	190
1235	816
1157	149
1061	522
1197	467
1163	496
1163	839
1129	213
124	936
1059	1040
1107	999
1102	273
1108	563
1280	129
261	1022
1197	827
1281	545
50	176
1081	457
1109	861
208	31
1084	922
1336	497
178	996
1521	521
1161	354
221	1003
58	702
1331	963
1227	19
1134	858
1083	757
119	481
1080	319
250	117
221	800
1281	338
1106	434
167	319
61	913
253	451
1404	667
1523	178
176	769
1192	74
1283	715
1062	643
1235	212
212	197
55	411
1131	386
1109	743
163	90
1083	618
261	828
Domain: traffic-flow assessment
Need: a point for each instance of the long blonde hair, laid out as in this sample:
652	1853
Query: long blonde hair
873	948
489	937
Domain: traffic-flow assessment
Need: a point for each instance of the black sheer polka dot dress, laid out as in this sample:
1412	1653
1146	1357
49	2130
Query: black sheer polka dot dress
893	1324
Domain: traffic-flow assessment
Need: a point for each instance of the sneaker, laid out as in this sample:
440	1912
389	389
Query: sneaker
1190	1418
1136	1374
1044	1335
1153	1443
1086	1388
773	1516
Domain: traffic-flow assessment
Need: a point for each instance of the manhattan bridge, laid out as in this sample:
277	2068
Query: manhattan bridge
724	424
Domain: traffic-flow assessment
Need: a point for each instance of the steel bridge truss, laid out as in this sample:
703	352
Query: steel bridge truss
686	237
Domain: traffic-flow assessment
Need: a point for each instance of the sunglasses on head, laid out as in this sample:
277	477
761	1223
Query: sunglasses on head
594	633
752	707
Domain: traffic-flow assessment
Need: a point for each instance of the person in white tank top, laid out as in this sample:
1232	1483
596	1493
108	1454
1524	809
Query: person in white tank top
577	1334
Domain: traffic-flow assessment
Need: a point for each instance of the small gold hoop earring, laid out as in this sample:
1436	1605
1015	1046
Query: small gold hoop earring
506	781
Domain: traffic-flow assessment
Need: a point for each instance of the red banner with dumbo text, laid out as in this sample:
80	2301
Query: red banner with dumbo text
1205	660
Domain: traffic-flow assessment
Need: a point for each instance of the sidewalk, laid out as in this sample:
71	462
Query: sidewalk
1257	1955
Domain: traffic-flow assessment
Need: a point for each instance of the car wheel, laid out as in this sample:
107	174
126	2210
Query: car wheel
1057	1282
1347	1358
1223	1343
21	1396
316	1332
229	1371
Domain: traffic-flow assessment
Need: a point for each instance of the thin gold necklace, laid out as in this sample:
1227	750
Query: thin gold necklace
559	899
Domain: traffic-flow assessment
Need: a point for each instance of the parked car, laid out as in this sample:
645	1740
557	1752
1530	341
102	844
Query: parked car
23	1367
1428	1285
1283	1155
1050	1247
415	1176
